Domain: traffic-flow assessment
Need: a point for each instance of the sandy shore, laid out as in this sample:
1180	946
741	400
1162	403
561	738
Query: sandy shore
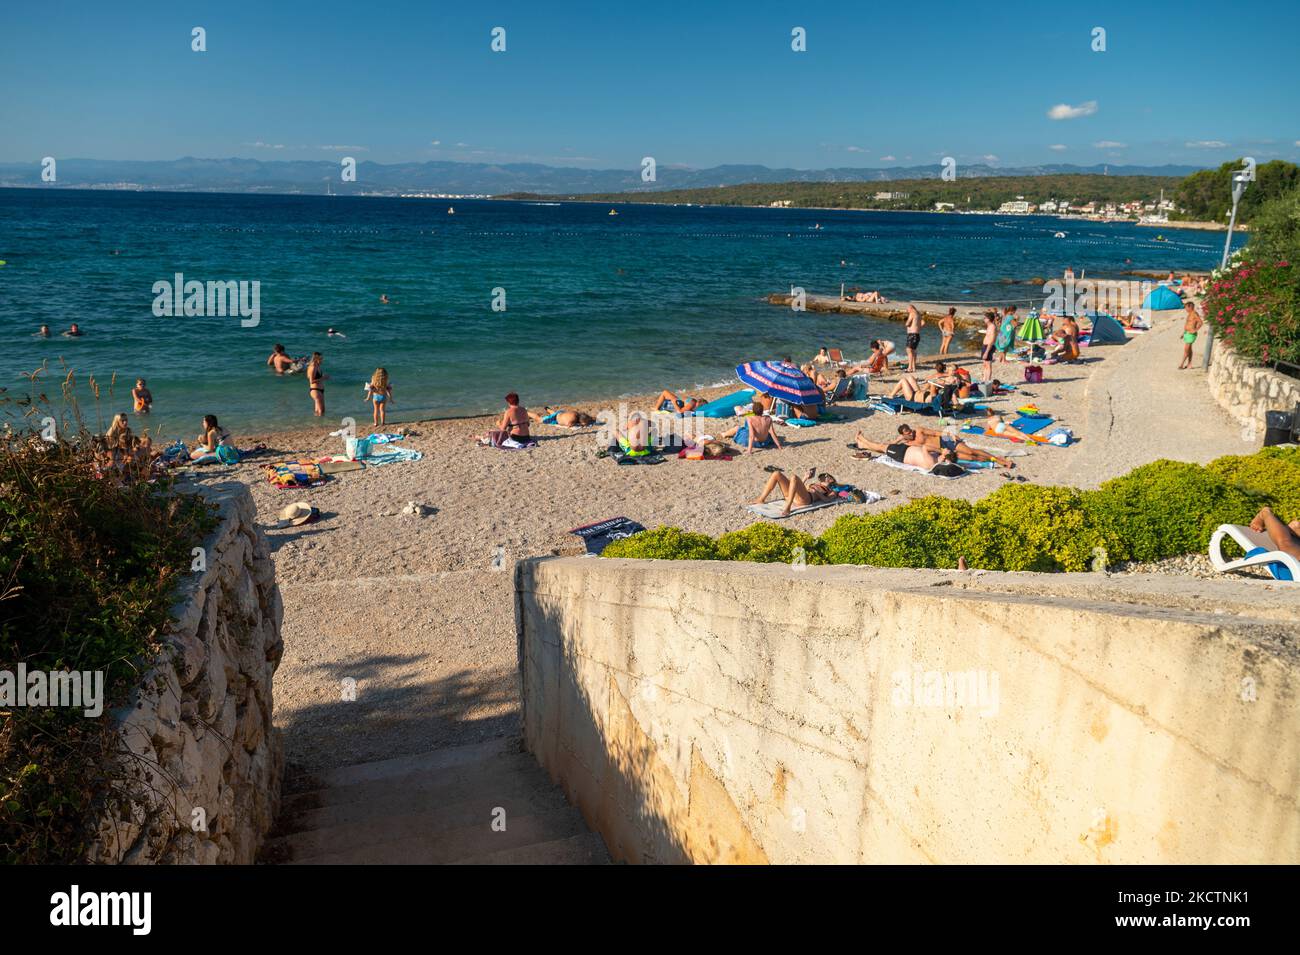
420	609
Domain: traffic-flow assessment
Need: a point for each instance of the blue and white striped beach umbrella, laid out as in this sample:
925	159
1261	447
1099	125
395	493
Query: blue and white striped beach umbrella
781	380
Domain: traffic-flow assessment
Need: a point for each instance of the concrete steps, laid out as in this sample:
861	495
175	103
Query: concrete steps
436	808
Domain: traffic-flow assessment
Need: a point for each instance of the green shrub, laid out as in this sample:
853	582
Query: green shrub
664	543
1030	527
1272	472
920	534
768	543
1167	508
88	570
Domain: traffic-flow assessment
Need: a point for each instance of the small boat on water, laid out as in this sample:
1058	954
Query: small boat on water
1161	238
1060	235
451	210
613	212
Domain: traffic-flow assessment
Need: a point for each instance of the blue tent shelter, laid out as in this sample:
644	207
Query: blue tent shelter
1106	331
1162	299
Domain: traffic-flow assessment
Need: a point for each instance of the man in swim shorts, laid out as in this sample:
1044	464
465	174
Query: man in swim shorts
990	340
1191	326
938	441
913	336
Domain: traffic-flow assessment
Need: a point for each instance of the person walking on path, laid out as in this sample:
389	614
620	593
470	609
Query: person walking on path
1191	326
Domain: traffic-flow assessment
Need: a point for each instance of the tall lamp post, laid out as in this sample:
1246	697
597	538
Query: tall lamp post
1239	182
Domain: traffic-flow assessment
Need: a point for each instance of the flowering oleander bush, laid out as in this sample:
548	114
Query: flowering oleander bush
1160	510
1254	304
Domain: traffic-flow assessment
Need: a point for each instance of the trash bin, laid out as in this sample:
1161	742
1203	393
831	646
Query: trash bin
1278	427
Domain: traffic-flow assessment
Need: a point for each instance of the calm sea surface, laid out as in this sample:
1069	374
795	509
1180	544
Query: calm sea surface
596	305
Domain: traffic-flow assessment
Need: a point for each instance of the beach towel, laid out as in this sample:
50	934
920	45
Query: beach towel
340	467
772	509
900	466
725	407
383	438
800	422
1032	424
600	535
390	456
294	474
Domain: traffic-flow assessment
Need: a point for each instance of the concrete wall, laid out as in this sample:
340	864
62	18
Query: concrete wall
1246	391
724	712
198	756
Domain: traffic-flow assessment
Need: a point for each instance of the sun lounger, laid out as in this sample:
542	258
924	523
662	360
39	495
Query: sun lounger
1259	553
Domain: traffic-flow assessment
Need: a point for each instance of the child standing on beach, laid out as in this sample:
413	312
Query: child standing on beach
947	326
379	391
143	397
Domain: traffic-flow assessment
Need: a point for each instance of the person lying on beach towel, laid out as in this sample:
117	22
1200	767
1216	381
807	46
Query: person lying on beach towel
667	401
938	441
995	424
755	433
796	492
563	417
943	463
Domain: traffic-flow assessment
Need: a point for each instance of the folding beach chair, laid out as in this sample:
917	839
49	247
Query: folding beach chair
837	356
1259	553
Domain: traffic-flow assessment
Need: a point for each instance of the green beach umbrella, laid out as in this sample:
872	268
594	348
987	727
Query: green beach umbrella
1032	330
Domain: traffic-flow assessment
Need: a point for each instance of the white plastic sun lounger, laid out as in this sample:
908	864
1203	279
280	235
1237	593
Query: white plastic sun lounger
1259	553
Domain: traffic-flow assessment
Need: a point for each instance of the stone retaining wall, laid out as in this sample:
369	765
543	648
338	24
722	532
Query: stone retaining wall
1246	391
199	754
730	712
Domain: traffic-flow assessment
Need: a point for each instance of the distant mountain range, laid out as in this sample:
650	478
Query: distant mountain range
468	178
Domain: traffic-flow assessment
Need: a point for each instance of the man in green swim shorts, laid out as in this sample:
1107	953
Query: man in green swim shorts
1190	327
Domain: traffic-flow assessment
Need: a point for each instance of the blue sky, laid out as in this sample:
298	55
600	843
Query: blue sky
603	84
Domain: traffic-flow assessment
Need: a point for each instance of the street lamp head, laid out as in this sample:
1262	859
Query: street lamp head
1239	183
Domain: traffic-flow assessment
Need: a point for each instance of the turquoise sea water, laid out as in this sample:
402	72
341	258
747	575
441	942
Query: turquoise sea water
596	305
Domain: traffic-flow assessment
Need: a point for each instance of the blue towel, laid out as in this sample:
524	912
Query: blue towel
725	407
1032	424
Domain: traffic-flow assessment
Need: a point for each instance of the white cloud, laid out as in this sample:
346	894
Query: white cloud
345	149
1109	144
1057	147
1205	144
895	158
1066	111
261	145
989	157
854	149
435	142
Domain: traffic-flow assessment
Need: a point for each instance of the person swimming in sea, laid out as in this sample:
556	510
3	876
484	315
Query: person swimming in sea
280	361
43	333
73	332
335	333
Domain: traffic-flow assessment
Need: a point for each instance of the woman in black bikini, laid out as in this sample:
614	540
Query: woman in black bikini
315	388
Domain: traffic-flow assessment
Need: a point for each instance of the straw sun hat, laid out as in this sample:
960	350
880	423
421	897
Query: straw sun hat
298	513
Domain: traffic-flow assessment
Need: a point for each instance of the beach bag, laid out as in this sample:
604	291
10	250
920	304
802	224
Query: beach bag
356	448
1033	373
227	454
963	374
1062	437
